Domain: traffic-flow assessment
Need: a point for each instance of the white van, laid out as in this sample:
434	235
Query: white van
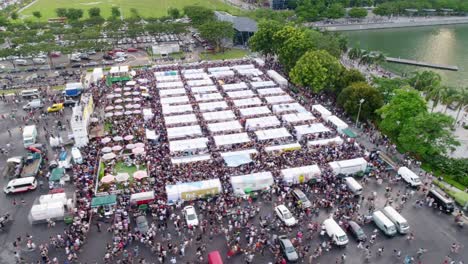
30	93
409	176
382	222
21	62
335	232
353	185
21	185
33	104
76	155
400	222
39	60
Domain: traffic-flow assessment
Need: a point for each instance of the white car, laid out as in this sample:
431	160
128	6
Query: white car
121	59
190	216
285	215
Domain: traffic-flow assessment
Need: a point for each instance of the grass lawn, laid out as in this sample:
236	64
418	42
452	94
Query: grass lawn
146	8
120	167
229	54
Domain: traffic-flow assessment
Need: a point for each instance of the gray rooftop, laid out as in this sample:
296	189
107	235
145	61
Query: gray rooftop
241	24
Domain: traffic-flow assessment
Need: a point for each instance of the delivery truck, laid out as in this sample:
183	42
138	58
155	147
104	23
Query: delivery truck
29	135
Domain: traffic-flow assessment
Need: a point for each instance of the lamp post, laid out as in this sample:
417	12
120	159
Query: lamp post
359	111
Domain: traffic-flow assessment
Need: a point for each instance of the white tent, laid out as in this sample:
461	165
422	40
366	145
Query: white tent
123	69
277	78
176	109
247	102
208	97
218	69
203	89
320	142
168	78
180	119
225	126
294	108
230	139
170	92
243	67
192	71
260	62
339	124
253	111
300	174
165	73
251	182
298	117
147	114
261	84
151	134
167	85
201	82
285	147
310	129
270	91
42	212
188	191
174	100
188	144
196	76
322	110
206	107
235	86
272	133
219	115
189	159
219	74
350	166
241	94
279	99
239	152
114	70
250	72
97	74
262	122
184	131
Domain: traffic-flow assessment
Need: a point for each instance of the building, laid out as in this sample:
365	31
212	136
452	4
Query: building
81	118
243	26
166	49
278	4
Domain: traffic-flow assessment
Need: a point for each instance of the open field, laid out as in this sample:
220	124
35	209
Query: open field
228	54
146	8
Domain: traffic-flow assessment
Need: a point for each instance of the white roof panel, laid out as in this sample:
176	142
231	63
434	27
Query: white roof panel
176	109
195	76
219	115
247	102
169	92
218	69
222	74
184	131
230	139
201	82
322	110
168	78
241	94
253	111
270	91
174	100
279	99
225	126
310	129
262	122
204	89
188	144
180	119
208	97
298	117
206	107
167	85
261	84
272	133
294	107
285	147
235	86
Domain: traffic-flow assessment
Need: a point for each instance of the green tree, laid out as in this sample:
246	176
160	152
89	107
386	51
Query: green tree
387	86
94	12
335	11
198	14
404	105
262	41
357	12
173	12
74	14
461	100
317	70
61	12
307	11
347	77
350	96
425	81
427	134
216	31
115	12
14	15
37	14
135	13
297	41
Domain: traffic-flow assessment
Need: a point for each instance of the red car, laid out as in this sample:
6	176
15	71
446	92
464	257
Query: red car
132	50
55	54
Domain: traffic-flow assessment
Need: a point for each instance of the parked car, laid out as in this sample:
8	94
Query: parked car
285	215
301	199
132	50
60	66
91	52
55	54
76	65
36	103
190	216
288	250
121	59
357	232
142	224
91	64
55	108
107	57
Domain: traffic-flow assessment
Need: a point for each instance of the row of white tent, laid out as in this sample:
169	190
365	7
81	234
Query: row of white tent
259	181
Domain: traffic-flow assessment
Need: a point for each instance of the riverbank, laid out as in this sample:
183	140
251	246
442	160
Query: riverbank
396	22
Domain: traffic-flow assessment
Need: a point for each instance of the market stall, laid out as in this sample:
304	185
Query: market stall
188	191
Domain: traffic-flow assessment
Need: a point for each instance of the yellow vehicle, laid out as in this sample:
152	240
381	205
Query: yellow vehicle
55	108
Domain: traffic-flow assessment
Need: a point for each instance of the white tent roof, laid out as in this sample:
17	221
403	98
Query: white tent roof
298	117
208	97
262	122
204	89
165	73
225	126
114	69
201	82
123	69
176	109
254	181
180	119
235	86
174	100
238	152
222	73
335	140
219	115
250	72
168	78
243	67
338	123
261	84
277	78
195	76
218	69
253	111
167	85
322	110
247	102
188	144
310	129
270	91
169	92
206	107
272	133
294	107
151	134
241	94
279	99
184	131
285	147
191	71
300	174
189	159
230	139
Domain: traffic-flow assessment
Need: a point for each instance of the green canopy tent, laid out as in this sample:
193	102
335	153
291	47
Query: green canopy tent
104	200
348	132
57	174
111	80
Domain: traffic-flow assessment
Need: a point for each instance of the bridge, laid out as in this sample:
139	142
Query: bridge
422	64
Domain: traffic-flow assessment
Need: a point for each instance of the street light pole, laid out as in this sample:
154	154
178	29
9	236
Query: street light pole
359	111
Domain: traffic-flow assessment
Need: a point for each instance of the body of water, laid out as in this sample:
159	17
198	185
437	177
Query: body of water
438	44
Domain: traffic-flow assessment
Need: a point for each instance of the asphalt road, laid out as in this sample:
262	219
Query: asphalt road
433	231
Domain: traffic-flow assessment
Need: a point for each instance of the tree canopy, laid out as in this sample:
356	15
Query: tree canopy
216	31
350	96
357	12
198	14
262	41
